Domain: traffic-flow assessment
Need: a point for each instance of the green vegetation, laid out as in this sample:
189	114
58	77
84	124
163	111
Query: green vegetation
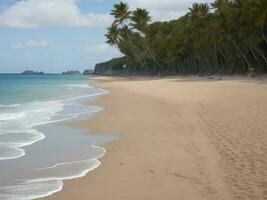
227	36
109	68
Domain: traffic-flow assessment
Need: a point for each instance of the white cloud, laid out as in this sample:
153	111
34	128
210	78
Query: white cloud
161	5
66	13
50	13
164	9
30	44
103	50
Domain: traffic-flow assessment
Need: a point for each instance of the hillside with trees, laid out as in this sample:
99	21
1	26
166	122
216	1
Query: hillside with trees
226	37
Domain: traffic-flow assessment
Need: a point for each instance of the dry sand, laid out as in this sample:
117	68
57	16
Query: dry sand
180	139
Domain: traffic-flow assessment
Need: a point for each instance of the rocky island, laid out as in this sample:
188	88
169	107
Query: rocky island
31	72
72	72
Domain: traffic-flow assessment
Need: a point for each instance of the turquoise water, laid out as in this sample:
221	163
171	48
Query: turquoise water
38	150
16	88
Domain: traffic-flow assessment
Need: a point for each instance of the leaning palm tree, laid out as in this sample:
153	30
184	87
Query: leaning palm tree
199	10
140	19
121	13
220	5
112	35
258	11
199	21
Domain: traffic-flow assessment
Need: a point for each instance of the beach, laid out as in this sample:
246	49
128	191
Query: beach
188	138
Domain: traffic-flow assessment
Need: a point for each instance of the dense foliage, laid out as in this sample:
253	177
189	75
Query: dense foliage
227	36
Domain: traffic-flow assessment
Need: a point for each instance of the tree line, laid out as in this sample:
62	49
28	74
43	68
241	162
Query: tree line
226	36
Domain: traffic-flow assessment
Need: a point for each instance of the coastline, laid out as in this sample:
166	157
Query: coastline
179	138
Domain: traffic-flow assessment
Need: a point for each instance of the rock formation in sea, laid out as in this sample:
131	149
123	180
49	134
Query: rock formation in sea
72	72
31	72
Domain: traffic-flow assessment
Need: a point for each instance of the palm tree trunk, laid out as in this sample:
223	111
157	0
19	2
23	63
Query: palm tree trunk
242	55
262	55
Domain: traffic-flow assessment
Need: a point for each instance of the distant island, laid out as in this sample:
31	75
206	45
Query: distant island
72	72
31	72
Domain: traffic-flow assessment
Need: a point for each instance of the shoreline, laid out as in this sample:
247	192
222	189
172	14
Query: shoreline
170	146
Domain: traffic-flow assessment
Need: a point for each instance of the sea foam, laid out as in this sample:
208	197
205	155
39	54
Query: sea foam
17	126
20	127
48	185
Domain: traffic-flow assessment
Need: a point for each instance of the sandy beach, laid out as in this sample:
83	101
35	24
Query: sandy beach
190	138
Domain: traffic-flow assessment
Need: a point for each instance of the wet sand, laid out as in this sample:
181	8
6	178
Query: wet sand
184	138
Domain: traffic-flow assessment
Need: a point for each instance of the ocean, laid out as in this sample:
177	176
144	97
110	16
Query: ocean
38	147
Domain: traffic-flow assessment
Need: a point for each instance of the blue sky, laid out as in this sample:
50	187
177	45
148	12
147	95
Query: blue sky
59	35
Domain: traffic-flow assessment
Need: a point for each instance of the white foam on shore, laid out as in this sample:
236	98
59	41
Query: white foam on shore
21	192
25	117
102	92
9	106
73	162
18	128
46	186
86	86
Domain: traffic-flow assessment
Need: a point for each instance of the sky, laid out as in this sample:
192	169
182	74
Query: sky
58	35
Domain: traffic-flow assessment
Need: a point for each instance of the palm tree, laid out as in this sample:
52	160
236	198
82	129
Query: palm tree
112	35
200	23
220	5
220	26
140	19
121	13
122	16
259	15
199	10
